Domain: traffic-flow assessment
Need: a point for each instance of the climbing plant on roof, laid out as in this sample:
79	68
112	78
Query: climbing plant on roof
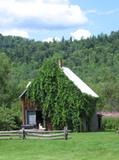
60	100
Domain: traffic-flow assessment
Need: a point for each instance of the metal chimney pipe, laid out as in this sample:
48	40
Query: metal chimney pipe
60	63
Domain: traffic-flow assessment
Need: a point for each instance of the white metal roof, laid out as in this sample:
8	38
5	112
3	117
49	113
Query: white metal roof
78	82
29	83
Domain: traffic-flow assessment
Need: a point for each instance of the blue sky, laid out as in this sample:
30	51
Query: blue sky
47	19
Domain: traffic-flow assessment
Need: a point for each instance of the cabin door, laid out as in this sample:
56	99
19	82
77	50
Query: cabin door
39	118
31	117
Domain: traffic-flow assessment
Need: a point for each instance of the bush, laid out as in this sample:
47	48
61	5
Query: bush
9	119
110	123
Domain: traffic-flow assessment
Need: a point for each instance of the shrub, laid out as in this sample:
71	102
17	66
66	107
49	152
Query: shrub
110	123
9	119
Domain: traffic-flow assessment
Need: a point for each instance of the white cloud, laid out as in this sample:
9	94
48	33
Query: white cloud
56	1
102	13
80	33
50	39
34	14
91	11
109	12
15	32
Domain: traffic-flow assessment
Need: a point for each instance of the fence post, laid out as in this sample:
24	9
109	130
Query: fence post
65	133
23	133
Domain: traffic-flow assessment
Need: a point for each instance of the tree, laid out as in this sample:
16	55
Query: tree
4	79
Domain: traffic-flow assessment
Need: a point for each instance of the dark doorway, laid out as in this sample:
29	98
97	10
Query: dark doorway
99	122
39	118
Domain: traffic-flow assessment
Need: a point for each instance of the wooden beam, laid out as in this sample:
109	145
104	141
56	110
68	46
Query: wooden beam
23	112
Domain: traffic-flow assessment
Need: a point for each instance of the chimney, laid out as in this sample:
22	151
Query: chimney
60	63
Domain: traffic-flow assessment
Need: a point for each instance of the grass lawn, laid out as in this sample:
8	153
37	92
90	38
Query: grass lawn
82	146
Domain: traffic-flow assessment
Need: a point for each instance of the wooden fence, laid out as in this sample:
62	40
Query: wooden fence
35	134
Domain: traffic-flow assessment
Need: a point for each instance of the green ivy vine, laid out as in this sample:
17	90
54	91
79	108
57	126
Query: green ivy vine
59	99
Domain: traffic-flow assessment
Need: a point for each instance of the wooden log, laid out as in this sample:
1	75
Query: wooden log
46	138
45	135
40	131
65	133
5	135
3	132
23	133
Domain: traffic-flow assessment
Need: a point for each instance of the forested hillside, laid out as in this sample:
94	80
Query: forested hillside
94	60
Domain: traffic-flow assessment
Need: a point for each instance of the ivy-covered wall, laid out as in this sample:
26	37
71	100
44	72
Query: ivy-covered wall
60	100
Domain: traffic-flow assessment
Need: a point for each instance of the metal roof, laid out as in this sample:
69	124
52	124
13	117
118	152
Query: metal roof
78	82
22	94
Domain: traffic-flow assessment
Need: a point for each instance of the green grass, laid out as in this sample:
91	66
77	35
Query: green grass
82	146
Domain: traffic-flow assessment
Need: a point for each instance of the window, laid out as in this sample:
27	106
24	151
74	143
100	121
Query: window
31	117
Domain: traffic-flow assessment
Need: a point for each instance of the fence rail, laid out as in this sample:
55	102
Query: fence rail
35	134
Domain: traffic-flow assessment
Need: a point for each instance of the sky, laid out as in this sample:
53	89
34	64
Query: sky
44	20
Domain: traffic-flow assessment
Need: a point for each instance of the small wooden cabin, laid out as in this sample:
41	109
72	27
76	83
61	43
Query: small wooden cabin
31	115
